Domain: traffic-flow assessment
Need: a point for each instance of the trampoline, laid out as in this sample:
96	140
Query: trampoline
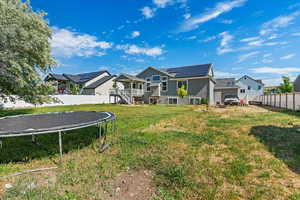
36	124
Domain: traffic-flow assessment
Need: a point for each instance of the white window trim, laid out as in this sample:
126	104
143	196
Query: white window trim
172	98
194	100
166	82
147	83
187	84
156	75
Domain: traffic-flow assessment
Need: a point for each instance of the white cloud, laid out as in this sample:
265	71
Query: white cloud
148	12
209	38
247	55
294	6
135	34
287	56
134	49
273	36
277	70
220	8
162	3
192	37
187	16
296	34
267	55
66	43
225	43
227	21
265	60
256	43
278	23
219	74
249	39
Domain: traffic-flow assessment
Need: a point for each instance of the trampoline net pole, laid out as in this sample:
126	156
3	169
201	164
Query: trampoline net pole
60	146
1	144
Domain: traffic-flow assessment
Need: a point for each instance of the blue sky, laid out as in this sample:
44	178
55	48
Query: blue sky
260	38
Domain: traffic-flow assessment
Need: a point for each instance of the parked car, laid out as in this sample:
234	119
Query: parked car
231	100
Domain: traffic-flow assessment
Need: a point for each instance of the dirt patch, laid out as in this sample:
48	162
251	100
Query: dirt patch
245	109
133	185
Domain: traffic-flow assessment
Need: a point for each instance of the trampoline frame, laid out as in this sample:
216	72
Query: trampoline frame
111	118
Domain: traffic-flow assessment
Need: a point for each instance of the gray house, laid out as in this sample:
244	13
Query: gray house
296	84
225	87
160	86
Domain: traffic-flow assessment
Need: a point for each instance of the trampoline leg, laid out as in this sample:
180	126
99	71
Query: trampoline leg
100	130
60	146
33	138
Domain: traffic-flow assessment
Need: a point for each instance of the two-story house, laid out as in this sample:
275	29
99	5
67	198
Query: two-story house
250	88
93	83
154	85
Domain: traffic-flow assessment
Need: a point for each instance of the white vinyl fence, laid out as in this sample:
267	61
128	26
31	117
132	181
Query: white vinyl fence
63	100
288	100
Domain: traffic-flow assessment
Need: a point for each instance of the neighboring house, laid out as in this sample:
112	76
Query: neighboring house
154	85
94	83
224	87
250	88
296	84
271	90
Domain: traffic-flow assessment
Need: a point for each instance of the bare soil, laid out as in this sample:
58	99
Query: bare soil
132	185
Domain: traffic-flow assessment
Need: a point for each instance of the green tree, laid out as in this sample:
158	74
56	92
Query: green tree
25	52
286	85
182	92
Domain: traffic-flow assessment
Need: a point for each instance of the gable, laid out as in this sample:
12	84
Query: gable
248	80
148	72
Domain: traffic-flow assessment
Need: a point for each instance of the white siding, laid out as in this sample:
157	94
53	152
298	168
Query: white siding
96	78
251	94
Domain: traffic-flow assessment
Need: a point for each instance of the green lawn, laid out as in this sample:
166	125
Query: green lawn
235	153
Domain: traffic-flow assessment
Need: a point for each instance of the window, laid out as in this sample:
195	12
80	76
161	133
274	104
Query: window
172	100
156	78
181	83
242	90
249	87
195	101
259	87
148	82
134	85
164	83
141	86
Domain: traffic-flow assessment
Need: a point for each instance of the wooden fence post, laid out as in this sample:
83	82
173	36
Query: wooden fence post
294	103
279	101
286	101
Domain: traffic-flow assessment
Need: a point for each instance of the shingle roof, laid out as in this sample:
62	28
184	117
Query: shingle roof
81	78
77	78
99	82
225	83
57	77
189	71
131	77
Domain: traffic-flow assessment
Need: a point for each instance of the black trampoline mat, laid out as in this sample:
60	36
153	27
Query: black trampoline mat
50	122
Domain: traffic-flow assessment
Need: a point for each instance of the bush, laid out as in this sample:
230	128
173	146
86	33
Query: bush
205	101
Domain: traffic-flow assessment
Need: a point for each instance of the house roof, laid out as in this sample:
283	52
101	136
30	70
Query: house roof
56	76
81	78
99	82
225	83
77	78
189	71
256	80
130	77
